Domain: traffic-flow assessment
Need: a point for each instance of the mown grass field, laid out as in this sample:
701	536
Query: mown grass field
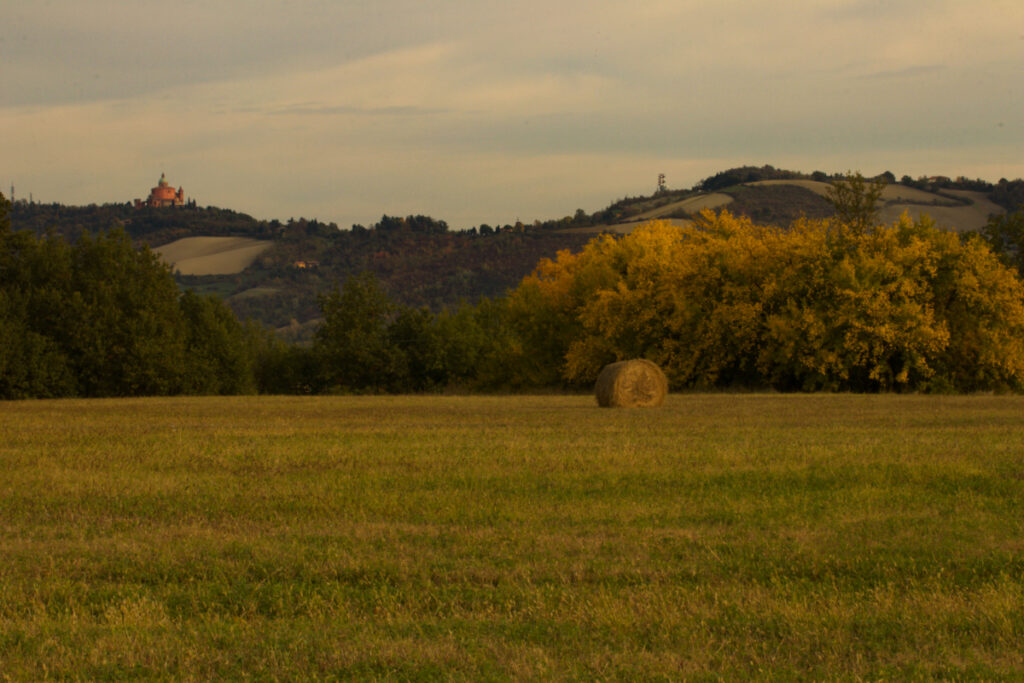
498	538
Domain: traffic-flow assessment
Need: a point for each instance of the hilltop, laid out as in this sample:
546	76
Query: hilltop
272	271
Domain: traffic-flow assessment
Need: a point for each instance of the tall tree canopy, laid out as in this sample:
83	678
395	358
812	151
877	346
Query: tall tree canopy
821	305
101	318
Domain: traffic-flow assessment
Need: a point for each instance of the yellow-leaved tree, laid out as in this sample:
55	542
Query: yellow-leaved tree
815	306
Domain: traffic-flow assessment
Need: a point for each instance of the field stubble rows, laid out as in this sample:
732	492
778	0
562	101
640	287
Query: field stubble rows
728	536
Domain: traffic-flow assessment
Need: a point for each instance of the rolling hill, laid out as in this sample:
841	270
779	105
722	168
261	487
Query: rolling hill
273	271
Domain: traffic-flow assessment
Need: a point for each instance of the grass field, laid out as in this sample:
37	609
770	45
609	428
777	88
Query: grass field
497	538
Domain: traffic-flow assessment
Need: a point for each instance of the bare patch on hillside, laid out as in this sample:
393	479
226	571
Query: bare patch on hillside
212	255
691	205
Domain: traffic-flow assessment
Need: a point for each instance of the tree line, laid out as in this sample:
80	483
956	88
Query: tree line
823	305
101	318
840	303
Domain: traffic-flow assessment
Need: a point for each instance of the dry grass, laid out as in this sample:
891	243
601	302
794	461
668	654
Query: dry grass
691	205
637	383
958	218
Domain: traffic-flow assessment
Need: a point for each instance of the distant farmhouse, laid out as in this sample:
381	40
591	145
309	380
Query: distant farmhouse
162	195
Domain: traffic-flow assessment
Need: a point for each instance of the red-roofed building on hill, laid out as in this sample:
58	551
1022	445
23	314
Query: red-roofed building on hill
163	195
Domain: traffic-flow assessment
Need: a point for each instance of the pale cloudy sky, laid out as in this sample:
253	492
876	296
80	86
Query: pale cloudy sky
484	111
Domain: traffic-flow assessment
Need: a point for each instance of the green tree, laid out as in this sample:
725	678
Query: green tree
353	345
101	318
471	337
124	330
855	200
32	364
418	350
282	368
1005	234
218	351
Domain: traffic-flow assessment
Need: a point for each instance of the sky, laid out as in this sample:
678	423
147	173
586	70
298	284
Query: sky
486	111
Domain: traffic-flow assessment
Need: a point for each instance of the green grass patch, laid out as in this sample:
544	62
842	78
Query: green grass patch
723	536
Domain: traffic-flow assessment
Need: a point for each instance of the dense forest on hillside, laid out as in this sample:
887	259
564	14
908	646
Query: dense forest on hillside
153	226
436	270
417	258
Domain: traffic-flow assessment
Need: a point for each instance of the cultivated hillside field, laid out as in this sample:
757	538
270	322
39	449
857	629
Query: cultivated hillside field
691	205
733	537
897	199
946	211
212	255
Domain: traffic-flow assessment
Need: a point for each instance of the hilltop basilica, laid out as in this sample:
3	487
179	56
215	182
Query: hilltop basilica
162	195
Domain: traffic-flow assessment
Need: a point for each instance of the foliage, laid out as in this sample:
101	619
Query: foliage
418	258
370	343
31	365
747	174
419	352
855	201
427	268
122	325
1005	234
218	349
419	223
352	344
1008	194
997	193
822	305
842	304
544	310
282	368
148	224
101	318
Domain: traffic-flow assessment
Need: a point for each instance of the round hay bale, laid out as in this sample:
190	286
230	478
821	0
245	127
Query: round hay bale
631	383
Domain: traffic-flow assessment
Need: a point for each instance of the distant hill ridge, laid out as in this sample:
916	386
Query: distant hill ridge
272	271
